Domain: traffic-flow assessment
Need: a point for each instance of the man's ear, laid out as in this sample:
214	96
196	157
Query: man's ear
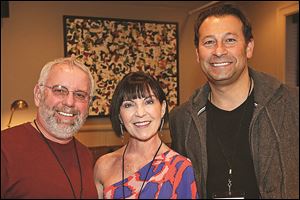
37	95
197	54
249	49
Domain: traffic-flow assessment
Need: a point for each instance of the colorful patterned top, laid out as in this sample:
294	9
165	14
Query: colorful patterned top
171	176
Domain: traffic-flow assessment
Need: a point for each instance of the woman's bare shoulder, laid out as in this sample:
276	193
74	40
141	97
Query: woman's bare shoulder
108	161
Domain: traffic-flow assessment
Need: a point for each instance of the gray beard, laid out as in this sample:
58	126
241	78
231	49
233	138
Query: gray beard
59	129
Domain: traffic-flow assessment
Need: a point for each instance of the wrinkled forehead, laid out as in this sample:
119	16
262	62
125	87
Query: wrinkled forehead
68	76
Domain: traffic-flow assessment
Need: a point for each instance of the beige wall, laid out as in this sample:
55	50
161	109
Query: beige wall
33	35
268	30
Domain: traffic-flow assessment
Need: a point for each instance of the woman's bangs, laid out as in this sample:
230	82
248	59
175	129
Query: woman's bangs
136	91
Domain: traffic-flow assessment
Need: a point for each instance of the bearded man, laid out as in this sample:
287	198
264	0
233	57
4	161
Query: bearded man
43	159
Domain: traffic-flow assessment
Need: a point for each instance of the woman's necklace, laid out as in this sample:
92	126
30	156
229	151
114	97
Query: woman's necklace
123	161
60	164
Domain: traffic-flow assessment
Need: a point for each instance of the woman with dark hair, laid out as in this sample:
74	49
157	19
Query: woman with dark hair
145	167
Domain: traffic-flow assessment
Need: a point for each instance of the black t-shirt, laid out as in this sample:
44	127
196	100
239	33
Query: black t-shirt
228	136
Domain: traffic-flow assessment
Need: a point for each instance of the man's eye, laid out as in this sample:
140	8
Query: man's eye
209	43
80	95
59	91
230	41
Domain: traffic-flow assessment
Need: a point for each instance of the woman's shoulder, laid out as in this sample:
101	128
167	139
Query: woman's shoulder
106	169
108	160
176	157
107	163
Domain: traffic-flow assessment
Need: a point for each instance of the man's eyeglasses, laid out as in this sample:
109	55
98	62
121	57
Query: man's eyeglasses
62	92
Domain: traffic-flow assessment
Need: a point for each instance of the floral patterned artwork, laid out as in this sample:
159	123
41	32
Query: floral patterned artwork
111	48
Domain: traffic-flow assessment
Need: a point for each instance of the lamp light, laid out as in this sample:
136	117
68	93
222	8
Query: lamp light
17	105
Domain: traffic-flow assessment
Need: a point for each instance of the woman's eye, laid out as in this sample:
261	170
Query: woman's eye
127	105
149	101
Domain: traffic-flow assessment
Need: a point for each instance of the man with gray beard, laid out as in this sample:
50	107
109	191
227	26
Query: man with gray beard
42	159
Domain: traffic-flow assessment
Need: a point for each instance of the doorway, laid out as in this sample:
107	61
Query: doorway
292	50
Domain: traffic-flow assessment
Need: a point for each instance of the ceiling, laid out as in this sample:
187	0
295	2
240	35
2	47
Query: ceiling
185	5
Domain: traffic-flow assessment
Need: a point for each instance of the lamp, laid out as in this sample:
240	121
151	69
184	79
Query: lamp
17	105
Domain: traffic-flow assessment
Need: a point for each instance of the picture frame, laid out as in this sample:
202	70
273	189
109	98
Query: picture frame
112	47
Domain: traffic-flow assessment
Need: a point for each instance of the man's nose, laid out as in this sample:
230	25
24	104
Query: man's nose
220	49
69	99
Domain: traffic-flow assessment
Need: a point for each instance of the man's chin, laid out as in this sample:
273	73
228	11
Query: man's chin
68	125
66	121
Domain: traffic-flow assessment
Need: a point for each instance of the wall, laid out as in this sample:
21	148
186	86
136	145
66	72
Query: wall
33	35
269	50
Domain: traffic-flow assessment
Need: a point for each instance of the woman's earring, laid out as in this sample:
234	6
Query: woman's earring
121	128
122	132
161	124
161	127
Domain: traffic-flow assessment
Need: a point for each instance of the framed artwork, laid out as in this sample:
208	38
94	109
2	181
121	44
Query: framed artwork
111	48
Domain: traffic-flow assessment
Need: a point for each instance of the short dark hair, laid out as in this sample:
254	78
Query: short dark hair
222	10
134	85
